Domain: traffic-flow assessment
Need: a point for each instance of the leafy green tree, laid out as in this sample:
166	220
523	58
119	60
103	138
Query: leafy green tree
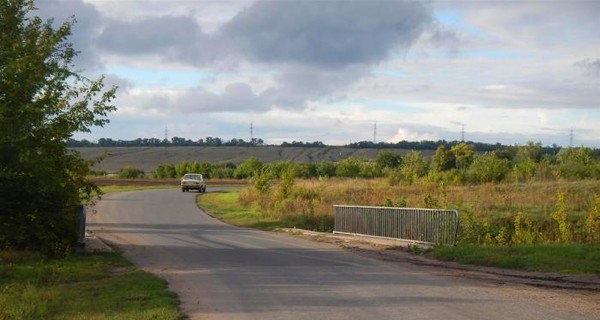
578	163
131	173
182	168
247	168
326	169
531	151
205	168
388	159
223	170
525	161
43	102
306	170
489	168
464	154
369	170
165	171
278	168
443	159
413	167
349	167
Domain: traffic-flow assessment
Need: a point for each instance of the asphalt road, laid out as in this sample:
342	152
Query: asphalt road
225	272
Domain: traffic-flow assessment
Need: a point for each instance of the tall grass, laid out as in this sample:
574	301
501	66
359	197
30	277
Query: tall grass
492	214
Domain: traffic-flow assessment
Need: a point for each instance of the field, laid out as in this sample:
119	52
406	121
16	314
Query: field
148	158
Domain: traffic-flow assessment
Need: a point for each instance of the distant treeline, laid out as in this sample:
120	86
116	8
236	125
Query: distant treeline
458	165
217	142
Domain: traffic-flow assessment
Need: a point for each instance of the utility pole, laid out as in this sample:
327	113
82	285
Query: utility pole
462	133
251	132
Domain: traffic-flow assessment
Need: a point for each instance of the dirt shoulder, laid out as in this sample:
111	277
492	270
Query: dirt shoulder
390	250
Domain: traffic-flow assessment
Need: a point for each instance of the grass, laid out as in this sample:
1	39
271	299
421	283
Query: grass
560	258
124	188
81	286
224	205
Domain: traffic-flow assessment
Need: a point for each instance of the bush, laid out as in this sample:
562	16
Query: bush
348	168
488	168
131	173
247	168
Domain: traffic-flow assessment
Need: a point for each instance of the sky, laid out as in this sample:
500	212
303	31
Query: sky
343	71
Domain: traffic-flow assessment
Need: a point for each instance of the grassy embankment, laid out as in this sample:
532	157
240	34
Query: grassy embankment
506	225
81	286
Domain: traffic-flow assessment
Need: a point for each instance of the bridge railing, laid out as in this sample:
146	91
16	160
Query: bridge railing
433	226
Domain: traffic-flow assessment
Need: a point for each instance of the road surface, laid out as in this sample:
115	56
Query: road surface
224	272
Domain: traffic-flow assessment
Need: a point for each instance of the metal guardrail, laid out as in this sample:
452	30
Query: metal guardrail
435	226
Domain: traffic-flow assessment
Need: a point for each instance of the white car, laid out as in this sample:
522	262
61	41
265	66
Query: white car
193	181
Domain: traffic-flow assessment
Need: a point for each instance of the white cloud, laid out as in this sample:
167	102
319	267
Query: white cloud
507	70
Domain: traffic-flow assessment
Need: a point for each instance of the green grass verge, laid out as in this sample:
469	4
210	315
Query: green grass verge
81	286
109	189
561	258
224	206
571	258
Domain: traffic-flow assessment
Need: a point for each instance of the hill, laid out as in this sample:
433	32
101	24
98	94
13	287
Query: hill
148	158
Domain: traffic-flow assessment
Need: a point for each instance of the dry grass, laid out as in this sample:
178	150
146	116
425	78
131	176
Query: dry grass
490	212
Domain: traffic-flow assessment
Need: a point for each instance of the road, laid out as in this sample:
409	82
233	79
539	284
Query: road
224	272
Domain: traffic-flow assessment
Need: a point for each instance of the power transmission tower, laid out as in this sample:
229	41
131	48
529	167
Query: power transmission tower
571	139
462	133
374	132
166	140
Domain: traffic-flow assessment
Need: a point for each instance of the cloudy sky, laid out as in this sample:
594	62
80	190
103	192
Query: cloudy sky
344	71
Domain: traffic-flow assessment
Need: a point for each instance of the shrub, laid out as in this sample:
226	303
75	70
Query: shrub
488	168
165	171
131	173
247	168
413	167
349	168
560	217
326	169
388	159
592	223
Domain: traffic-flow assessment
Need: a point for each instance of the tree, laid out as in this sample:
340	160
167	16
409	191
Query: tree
326	169
349	168
443	159
388	159
43	102
578	163
489	168
247	168
463	154
413	167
